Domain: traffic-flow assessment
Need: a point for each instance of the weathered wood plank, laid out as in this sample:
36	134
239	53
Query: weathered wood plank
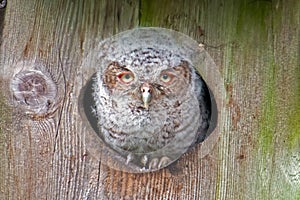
256	46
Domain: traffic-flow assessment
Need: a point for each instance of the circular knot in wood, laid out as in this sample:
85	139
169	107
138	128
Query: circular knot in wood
34	90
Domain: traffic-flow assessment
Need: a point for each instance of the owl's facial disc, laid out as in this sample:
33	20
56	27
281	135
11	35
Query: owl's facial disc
146	91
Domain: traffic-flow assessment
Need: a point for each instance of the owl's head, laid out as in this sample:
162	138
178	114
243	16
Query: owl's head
148	76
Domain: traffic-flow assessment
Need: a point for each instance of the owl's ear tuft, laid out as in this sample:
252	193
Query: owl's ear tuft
184	70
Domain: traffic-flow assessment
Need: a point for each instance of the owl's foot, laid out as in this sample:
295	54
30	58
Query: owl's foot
155	163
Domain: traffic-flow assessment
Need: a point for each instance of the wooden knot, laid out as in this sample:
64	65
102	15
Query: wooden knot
35	91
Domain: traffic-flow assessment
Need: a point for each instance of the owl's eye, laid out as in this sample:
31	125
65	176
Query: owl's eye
166	77
126	77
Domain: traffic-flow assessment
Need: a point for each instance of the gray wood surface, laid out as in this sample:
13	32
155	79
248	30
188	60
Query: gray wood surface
255	45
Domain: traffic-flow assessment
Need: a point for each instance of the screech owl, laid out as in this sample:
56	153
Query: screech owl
151	105
147	103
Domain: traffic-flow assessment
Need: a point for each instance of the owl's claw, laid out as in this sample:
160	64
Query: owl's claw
164	161
157	164
153	163
144	160
129	158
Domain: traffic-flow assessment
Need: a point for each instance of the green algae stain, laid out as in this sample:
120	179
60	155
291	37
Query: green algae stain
267	124
253	23
293	131
171	14
266	144
154	12
253	26
147	13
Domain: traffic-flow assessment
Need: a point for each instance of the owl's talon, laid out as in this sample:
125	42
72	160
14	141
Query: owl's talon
153	163
144	160
164	161
129	158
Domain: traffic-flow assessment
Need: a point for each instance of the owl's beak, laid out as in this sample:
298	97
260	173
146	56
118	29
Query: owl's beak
146	94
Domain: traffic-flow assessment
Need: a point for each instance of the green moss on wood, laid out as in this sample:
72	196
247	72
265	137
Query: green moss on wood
293	138
147	11
268	120
253	23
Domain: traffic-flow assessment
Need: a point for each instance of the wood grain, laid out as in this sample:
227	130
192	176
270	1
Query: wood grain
255	45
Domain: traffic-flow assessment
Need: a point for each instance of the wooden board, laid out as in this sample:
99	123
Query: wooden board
256	46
